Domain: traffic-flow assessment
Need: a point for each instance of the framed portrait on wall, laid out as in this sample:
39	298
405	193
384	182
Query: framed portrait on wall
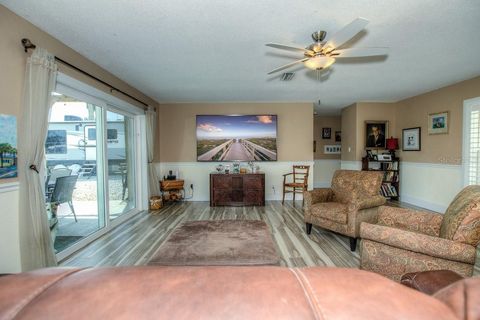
411	139
326	133
438	123
375	134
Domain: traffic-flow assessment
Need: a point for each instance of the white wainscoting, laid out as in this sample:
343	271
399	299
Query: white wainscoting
198	174
351	165
10	261
430	185
324	170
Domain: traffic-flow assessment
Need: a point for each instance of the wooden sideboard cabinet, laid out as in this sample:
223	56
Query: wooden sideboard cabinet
245	189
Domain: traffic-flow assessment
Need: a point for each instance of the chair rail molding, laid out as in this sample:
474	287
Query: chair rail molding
9	186
198	174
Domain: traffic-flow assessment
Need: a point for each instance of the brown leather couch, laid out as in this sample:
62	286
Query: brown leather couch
218	293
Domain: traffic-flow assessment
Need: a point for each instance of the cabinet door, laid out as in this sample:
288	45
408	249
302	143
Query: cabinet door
222	197
253	197
222	182
237	183
252	182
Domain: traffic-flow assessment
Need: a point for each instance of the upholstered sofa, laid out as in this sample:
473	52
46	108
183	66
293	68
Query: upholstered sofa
353	198
405	240
220	293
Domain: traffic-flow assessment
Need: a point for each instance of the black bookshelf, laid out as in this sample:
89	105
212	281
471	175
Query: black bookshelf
390	188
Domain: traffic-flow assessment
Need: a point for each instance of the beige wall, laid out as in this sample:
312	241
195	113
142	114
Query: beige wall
413	112
335	123
12	66
178	136
349	132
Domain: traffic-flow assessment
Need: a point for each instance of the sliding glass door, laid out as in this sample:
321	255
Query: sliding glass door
74	179
91	168
121	163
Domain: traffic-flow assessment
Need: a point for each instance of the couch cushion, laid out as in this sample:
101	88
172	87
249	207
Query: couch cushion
334	211
462	218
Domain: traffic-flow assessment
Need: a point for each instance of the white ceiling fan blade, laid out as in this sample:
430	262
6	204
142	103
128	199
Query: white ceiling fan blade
360	52
289	48
288	65
345	34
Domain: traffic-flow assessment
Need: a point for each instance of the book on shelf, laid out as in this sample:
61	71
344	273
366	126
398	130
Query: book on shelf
388	190
390	176
390	165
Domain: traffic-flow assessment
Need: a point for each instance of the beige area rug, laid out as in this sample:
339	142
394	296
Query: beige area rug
218	243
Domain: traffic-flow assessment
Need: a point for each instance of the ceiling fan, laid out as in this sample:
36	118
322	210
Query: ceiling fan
321	55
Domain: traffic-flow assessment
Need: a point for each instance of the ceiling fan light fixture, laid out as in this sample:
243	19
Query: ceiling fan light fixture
319	62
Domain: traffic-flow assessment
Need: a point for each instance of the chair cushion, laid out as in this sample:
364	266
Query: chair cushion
334	211
461	221
295	184
348	185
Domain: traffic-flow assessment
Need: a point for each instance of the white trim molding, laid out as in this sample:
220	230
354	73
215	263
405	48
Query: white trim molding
351	165
430	185
9	186
324	170
469	106
198	173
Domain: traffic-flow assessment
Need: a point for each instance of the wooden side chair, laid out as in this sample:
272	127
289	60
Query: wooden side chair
299	182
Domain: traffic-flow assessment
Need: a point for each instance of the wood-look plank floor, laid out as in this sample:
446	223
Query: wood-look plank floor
134	242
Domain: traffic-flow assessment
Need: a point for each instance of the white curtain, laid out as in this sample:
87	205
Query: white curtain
36	244
151	127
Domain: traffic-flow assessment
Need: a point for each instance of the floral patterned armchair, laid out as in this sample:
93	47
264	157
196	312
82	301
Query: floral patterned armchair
405	240
354	197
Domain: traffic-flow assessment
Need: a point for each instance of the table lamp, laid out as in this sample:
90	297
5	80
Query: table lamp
392	145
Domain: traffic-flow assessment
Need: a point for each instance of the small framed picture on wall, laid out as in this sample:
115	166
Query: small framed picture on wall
438	123
338	136
326	133
411	139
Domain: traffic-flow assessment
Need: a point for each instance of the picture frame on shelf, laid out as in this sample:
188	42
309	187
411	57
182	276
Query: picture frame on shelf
438	123
369	154
411	139
376	133
326	133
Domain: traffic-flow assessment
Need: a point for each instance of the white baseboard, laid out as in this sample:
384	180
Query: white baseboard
430	185
423	204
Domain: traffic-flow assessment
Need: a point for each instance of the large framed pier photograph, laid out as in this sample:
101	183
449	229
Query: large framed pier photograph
237	138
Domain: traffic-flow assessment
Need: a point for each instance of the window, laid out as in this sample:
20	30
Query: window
71	118
56	142
112	134
471	141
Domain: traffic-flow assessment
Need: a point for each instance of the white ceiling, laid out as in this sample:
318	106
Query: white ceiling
214	50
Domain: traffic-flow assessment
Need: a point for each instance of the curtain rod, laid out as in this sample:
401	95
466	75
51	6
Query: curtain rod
27	44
